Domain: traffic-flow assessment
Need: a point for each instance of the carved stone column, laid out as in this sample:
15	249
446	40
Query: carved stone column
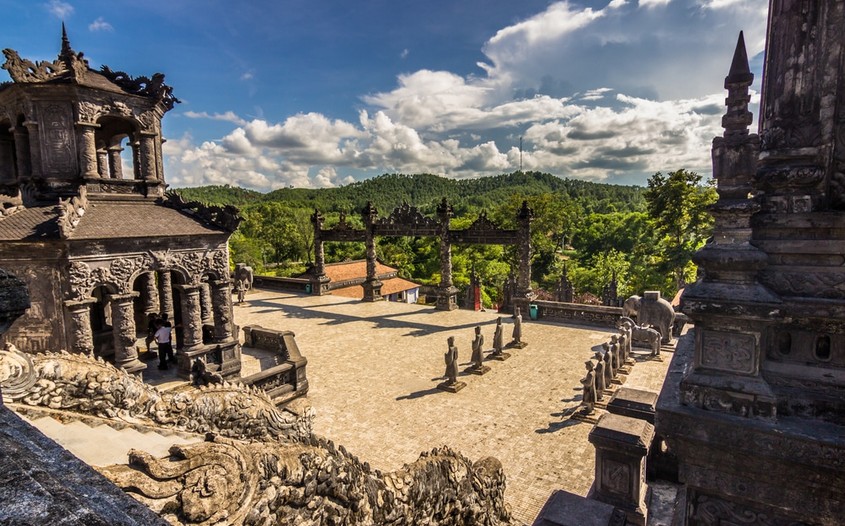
125	334
221	303
191	317
136	159
115	162
523	294
205	304
87	149
36	170
165	285
149	293
7	162
447	292
147	159
81	336
22	151
372	286
319	280
103	162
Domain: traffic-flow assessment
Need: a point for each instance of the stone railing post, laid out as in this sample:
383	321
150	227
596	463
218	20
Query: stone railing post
621	448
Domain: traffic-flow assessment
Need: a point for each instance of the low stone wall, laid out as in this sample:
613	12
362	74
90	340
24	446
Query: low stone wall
287	284
282	382
597	315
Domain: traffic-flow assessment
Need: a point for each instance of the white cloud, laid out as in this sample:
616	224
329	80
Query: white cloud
404	53
59	9
228	116
100	25
611	94
247	76
653	3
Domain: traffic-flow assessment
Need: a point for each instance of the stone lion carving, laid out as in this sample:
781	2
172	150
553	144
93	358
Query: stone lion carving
78	383
651	309
223	481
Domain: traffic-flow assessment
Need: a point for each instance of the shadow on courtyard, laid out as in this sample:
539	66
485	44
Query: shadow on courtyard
388	321
420	394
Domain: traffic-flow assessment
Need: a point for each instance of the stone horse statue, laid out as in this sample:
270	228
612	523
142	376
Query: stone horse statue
641	333
653	310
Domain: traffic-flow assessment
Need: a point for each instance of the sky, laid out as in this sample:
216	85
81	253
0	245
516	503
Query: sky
322	93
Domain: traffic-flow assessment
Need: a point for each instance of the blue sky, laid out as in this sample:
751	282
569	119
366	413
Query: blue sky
317	93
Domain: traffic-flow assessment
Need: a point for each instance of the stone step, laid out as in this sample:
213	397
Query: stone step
103	445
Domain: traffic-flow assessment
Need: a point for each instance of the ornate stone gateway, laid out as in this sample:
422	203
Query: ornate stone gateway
407	220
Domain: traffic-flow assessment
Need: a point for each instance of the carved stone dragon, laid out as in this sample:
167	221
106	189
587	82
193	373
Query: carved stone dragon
78	383
223	481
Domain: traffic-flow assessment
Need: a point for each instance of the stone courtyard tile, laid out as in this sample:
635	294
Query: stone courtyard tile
373	369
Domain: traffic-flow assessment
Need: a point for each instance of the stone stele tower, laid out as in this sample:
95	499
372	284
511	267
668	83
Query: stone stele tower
754	406
86	223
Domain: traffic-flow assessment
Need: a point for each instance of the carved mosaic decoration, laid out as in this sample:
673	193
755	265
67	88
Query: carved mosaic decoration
77	383
732	352
71	211
226	217
150	87
710	511
223	481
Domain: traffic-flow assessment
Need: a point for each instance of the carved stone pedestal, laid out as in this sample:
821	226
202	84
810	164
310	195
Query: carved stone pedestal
451	388
621	447
447	298
480	371
634	403
517	345
567	509
502	356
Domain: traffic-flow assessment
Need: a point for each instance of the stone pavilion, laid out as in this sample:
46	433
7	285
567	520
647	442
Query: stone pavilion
85	220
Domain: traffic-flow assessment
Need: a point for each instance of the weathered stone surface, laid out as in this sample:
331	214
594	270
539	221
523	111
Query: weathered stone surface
567	509
634	403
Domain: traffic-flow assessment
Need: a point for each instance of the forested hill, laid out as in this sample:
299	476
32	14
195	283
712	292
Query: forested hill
426	190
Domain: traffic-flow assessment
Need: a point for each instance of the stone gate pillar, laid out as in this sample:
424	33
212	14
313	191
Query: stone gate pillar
191	317
523	294
372	286
446	292
319	280
125	334
165	284
81	337
221	302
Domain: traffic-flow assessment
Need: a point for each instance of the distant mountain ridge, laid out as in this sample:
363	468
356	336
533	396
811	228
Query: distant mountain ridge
425	191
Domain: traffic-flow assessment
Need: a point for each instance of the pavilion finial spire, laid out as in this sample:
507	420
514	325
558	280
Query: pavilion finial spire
66	49
740	72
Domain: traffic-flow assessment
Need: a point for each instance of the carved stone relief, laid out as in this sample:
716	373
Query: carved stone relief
58	142
728	351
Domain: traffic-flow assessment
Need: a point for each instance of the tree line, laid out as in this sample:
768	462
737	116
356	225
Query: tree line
645	237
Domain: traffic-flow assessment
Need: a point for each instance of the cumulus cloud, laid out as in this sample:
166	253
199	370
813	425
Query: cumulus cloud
59	9
100	25
611	93
228	116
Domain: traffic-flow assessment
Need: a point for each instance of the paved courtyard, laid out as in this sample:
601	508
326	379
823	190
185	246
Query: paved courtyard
373	370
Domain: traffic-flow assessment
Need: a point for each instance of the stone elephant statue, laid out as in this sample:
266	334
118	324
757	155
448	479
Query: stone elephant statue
651	309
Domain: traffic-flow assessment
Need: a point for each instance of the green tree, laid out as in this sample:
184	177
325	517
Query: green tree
677	204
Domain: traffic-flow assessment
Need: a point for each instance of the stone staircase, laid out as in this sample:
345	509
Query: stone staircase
97	442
